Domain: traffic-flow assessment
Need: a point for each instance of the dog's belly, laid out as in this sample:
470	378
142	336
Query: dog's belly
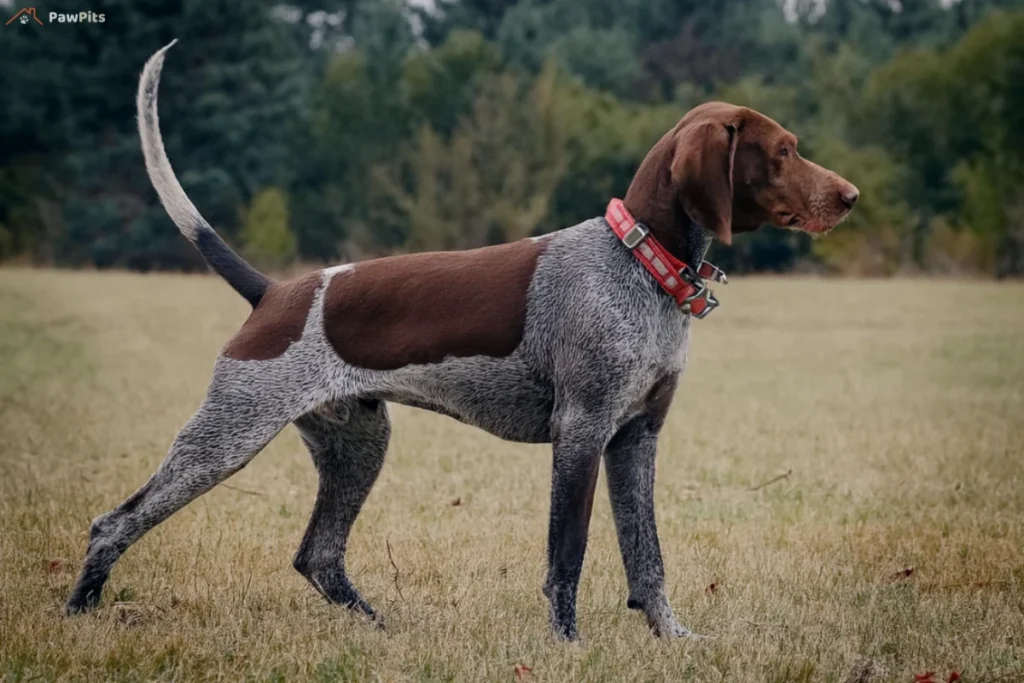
524	421
500	396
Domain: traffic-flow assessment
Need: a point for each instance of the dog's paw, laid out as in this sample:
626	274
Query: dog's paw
672	629
80	604
565	634
378	621
662	621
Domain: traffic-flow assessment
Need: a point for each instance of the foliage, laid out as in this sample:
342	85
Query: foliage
266	235
493	181
956	117
232	89
394	125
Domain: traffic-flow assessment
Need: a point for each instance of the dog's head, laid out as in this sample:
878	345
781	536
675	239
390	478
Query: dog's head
732	169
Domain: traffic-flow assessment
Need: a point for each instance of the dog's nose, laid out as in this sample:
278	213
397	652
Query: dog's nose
849	196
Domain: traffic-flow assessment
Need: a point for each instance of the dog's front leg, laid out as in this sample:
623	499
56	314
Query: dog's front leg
629	459
578	443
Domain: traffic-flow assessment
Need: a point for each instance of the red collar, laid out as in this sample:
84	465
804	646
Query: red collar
683	283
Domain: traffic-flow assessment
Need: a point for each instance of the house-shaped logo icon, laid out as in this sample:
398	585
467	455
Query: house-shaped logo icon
25	15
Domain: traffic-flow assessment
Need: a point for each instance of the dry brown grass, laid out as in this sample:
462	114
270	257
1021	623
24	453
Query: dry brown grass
898	405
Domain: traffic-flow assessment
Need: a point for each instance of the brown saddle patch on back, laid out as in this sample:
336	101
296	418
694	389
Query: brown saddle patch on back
276	322
420	308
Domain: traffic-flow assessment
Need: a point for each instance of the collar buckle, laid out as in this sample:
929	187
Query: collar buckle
635	235
701	302
692	276
712	272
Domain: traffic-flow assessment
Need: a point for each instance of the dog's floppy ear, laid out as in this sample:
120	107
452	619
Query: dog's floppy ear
702	166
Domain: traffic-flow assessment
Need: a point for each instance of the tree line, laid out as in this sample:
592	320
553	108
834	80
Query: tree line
344	129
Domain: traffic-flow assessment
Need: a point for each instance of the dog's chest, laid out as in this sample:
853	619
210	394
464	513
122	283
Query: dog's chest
600	322
660	360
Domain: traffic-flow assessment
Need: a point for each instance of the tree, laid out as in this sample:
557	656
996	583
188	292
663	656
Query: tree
358	118
266	236
443	83
235	78
956	117
395	124
444	16
494	180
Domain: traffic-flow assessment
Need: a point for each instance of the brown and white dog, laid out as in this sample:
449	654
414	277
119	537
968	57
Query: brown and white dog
576	338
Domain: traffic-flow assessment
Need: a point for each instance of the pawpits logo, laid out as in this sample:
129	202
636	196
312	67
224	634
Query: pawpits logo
77	18
28	15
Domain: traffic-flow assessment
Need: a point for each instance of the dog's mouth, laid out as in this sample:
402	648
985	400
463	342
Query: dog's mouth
786	219
813	225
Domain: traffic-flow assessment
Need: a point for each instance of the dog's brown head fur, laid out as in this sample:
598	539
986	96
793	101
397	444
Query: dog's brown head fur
732	169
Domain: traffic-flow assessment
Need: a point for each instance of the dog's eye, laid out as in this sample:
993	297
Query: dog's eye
784	152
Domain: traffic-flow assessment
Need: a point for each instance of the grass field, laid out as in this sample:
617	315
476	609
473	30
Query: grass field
898	407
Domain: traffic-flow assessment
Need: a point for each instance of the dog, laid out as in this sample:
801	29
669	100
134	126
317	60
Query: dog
576	338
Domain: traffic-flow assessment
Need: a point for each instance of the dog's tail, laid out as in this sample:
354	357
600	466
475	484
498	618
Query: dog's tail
245	279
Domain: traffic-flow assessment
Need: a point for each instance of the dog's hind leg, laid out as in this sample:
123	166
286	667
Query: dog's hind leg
347	440
242	412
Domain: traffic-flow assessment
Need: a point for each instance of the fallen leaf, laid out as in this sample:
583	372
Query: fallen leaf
954	676
903	574
711	587
456	503
926	677
54	566
522	671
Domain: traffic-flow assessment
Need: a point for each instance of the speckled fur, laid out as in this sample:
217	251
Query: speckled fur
601	339
594	374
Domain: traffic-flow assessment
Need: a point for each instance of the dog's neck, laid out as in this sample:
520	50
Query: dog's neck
696	243
674	229
653	200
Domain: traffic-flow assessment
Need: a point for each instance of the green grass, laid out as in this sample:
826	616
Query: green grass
898	406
